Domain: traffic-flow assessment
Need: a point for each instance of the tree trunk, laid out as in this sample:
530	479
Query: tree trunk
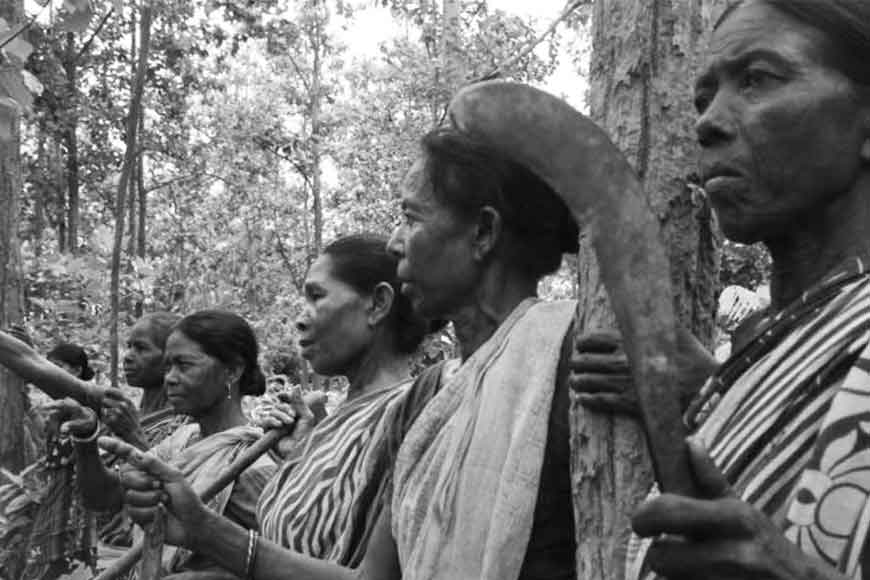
13	396
451	47
59	172
72	146
645	54
120	203
316	73
141	196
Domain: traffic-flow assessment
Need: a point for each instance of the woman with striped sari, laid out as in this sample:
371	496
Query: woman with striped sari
331	488
781	444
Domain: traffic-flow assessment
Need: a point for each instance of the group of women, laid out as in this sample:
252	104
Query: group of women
463	472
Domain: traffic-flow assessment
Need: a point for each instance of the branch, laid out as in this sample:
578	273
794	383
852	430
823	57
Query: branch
296	164
299	73
498	70
97	30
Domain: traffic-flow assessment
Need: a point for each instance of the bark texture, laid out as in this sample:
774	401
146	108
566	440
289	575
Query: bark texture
644	59
13	397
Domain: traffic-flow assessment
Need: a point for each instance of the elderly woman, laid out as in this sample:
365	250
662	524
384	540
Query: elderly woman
783	109
211	363
783	126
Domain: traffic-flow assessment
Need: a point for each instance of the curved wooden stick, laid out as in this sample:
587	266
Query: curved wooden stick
126	562
578	160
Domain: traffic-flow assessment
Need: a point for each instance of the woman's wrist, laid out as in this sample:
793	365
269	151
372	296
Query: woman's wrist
226	542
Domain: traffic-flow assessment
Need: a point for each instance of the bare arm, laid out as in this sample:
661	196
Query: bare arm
227	544
25	362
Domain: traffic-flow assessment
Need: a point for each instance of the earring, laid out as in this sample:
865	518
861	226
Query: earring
229	390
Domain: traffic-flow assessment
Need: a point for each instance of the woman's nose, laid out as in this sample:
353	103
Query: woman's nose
395	245
715	125
171	376
303	321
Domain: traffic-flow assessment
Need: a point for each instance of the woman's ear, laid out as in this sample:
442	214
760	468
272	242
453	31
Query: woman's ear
235	371
381	303
488	232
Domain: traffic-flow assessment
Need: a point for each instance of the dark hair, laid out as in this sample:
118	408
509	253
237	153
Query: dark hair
230	339
466	175
160	325
845	25
74	355
362	261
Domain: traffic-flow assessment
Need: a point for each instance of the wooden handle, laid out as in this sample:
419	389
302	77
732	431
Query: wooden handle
579	161
126	562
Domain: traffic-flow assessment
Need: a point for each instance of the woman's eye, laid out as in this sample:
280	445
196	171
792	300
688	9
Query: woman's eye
702	101
754	77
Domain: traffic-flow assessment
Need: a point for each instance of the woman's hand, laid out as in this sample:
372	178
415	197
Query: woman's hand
720	536
122	417
601	375
73	418
292	412
150	486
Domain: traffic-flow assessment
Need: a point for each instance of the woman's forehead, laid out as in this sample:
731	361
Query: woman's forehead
758	28
178	343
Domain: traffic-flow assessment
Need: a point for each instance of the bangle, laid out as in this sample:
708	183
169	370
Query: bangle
253	536
90	438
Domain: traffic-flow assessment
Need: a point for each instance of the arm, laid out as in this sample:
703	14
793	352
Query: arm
150	482
24	361
227	544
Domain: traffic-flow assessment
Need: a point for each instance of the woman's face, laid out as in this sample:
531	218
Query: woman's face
436	251
143	359
334	329
781	131
195	381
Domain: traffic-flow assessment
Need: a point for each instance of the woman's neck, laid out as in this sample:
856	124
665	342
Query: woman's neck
153	399
817	243
378	368
497	296
224	415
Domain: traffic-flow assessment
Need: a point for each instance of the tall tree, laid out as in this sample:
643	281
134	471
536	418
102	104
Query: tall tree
133	115
12	388
644	56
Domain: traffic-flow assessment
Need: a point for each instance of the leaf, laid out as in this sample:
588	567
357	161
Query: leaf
6	121
31	82
12	86
18	48
75	15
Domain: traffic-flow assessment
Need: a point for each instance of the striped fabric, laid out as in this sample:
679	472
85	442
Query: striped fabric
787	418
325	500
